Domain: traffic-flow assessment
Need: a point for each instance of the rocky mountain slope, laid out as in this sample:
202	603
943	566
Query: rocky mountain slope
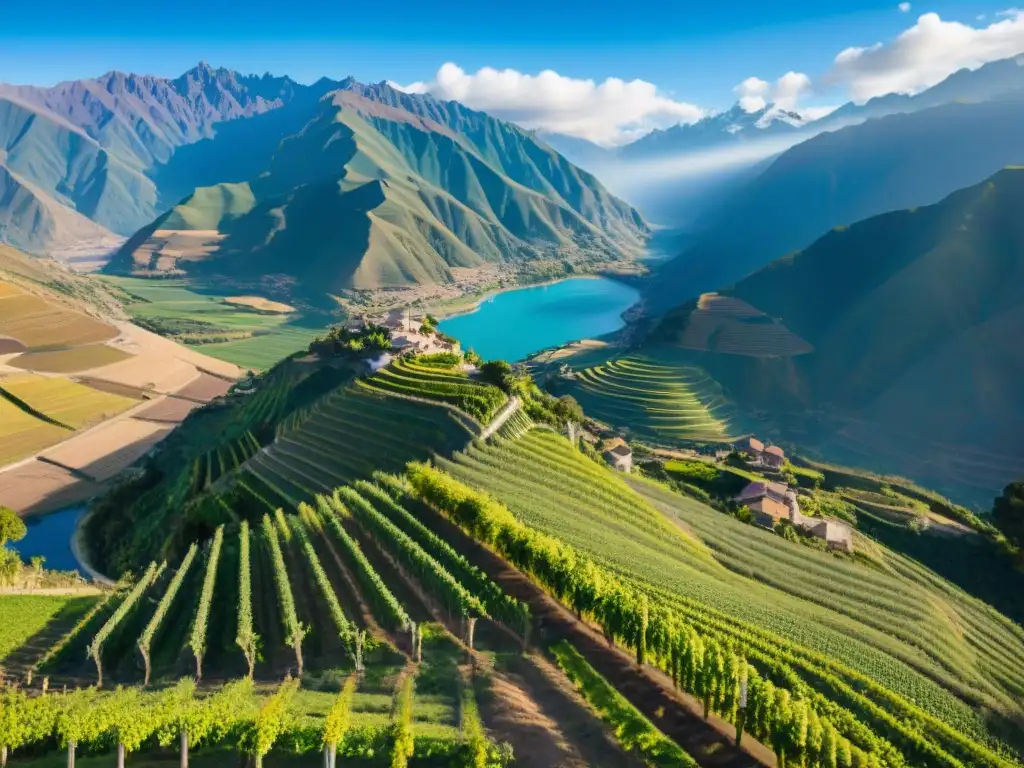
381	189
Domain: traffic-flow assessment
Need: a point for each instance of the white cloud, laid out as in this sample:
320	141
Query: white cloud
926	54
609	113
755	94
904	7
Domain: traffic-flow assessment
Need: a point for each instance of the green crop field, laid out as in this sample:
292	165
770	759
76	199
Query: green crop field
22	434
905	628
348	435
22	616
451	386
285	590
70	360
65	401
660	400
231	332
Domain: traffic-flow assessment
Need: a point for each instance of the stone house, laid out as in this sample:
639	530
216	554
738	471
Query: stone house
773	457
618	454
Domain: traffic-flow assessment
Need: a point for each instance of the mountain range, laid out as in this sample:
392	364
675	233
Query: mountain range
908	327
373	186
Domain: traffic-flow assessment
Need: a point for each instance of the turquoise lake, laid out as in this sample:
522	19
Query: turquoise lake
513	324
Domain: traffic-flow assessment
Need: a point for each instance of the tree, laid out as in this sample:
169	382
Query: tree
12	527
496	372
1008	513
567	409
338	720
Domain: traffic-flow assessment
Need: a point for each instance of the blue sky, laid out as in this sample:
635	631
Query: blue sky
694	53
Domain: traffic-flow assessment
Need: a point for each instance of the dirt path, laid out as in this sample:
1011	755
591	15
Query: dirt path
711	742
526	701
499	420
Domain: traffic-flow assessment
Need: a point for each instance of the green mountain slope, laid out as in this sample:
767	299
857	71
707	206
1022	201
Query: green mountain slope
915	319
384	189
841	177
63	163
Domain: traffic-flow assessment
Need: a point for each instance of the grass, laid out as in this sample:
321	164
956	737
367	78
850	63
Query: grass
40	324
252	339
70	360
22	616
634	731
22	434
65	401
658	399
907	629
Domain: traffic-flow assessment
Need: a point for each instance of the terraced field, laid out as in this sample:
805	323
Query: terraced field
729	325
451	386
658	400
349	435
65	401
913	633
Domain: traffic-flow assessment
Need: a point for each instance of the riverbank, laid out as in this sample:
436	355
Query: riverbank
80	550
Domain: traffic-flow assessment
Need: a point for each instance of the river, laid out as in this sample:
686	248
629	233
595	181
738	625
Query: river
514	324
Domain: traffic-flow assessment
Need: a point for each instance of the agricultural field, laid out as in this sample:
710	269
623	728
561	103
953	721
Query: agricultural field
659	400
42	325
24	616
248	331
315	594
64	401
22	434
70	360
728	325
906	629
451	386
346	436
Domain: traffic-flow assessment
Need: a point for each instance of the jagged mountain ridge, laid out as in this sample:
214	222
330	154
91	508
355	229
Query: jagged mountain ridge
382	189
97	146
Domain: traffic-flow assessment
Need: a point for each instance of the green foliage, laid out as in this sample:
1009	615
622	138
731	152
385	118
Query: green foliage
246	638
338	720
675	634
1008	512
340	340
197	637
12	527
384	604
96	646
414	559
258	736
441	360
403	741
164	605
632	729
409	378
294	630
346	630
500	606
